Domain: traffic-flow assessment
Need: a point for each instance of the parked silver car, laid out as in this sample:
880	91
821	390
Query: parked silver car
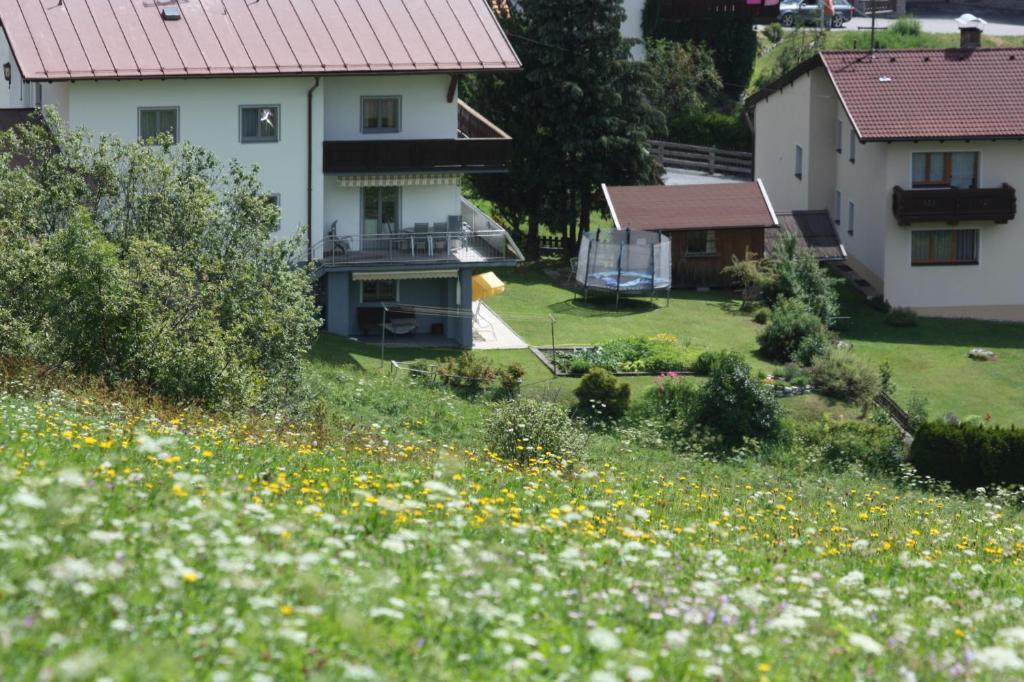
808	12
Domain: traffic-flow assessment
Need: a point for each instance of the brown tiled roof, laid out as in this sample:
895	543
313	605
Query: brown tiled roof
94	39
931	94
690	207
813	230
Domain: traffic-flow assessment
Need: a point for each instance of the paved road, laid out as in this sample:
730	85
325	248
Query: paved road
942	21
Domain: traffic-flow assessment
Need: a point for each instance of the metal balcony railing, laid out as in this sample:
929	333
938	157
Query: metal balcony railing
469	238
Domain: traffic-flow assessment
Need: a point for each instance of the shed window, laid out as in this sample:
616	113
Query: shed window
944	247
155	121
260	123
700	243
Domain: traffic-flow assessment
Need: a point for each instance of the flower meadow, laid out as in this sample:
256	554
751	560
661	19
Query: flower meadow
185	547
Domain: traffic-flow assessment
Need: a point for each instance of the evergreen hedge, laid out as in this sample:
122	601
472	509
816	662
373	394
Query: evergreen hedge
969	455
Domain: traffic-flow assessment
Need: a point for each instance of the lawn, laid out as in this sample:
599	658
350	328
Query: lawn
930	360
396	548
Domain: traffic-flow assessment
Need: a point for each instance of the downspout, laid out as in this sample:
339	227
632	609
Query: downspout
309	168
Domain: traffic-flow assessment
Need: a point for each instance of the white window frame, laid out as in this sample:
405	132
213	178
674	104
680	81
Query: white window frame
398	290
380	131
259	140
177	121
799	162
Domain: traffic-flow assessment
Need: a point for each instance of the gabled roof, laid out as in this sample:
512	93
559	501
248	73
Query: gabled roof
106	39
952	94
690	207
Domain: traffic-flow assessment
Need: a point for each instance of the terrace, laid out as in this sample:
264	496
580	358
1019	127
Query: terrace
469	238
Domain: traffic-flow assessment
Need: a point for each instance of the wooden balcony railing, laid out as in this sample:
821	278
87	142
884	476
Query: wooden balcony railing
480	147
953	206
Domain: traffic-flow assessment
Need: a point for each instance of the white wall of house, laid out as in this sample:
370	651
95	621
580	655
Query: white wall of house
782	123
426	112
862	183
998	278
209	116
23	95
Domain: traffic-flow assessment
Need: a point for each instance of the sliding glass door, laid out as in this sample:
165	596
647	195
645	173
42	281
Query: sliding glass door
380	211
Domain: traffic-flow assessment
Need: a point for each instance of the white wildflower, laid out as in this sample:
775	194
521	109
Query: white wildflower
638	673
865	644
603	640
27	498
677	639
998	658
852	579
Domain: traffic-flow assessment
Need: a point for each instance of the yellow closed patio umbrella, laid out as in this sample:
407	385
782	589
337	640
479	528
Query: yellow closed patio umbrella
486	285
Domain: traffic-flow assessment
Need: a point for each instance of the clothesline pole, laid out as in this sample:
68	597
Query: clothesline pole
383	330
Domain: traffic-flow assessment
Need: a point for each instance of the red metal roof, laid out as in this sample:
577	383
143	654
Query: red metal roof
94	39
931	94
690	207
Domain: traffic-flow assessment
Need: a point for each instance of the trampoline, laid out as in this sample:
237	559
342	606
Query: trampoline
625	262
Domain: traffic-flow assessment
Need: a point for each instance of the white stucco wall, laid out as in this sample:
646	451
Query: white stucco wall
632	27
864	183
209	117
426	112
783	121
998	279
419	204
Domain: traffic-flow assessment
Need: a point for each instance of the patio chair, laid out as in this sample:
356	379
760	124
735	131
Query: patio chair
439	237
421	240
456	234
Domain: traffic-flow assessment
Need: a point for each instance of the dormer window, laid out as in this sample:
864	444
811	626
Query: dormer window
945	169
381	114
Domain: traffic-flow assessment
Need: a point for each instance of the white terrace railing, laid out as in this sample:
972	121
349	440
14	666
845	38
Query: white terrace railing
471	237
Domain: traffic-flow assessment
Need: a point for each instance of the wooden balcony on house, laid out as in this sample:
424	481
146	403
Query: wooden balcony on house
480	147
953	206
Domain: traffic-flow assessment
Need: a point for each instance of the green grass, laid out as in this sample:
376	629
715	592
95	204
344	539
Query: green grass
394	548
930	360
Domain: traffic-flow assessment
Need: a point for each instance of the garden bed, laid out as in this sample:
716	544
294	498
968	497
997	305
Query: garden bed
630	356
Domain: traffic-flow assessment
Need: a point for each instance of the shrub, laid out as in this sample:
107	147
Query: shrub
659	353
969	455
792	321
602	395
901	317
710	360
773	32
669	405
762	315
467	373
734	405
876	445
510	380
523	429
905	26
796	273
844	376
154	265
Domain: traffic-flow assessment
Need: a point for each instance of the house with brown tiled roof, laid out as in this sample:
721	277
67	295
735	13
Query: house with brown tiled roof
350	108
916	154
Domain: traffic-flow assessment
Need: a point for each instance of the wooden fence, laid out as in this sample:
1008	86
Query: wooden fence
704	159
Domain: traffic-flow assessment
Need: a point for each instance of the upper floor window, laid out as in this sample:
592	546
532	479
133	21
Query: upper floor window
849	219
799	162
381	114
945	169
839	136
154	121
839	208
944	247
700	243
853	145
260	123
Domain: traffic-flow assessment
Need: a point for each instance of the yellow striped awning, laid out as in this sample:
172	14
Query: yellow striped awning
403	274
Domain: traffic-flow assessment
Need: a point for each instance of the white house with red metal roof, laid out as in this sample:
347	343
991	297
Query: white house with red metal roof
349	107
916	154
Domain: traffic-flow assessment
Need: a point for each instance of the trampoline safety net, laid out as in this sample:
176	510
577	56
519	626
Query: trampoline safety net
625	261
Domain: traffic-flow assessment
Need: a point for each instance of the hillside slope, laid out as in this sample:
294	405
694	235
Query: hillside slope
187	548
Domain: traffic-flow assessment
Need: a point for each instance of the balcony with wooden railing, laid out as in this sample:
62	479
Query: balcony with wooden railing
954	206
479	147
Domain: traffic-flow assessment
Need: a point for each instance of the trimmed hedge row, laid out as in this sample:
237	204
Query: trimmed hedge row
969	455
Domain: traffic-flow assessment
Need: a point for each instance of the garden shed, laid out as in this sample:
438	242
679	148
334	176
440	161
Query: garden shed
708	224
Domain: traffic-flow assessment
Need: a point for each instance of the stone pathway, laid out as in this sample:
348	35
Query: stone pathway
490	332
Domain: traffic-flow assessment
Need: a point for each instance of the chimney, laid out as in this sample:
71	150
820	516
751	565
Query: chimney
970	31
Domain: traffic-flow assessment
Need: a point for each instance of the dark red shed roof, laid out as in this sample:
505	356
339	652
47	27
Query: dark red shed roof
103	39
690	207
